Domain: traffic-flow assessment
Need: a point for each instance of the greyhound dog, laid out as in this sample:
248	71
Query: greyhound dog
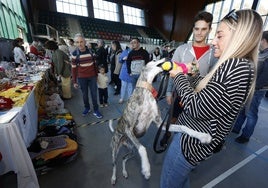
140	111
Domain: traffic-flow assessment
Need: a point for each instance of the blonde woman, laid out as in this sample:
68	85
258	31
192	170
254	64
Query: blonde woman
214	103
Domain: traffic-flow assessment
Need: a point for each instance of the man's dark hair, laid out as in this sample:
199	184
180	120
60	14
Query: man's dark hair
265	35
51	45
16	42
135	38
206	16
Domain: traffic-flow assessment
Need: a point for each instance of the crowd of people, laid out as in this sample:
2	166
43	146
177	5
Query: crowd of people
90	69
221	78
81	63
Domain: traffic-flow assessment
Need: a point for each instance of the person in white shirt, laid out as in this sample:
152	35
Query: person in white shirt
71	45
18	50
102	82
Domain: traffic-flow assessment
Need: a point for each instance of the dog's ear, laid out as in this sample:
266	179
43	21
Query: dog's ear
155	63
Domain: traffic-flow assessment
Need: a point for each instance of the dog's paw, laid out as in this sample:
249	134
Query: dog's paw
113	180
205	138
146	170
146	173
125	174
145	165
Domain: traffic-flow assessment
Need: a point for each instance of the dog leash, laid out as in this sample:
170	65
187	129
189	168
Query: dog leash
164	141
163	86
162	91
166	136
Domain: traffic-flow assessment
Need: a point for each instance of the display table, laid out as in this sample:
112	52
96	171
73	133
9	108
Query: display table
16	157
27	120
18	128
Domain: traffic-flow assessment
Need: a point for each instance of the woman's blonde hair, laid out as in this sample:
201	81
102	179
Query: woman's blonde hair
247	32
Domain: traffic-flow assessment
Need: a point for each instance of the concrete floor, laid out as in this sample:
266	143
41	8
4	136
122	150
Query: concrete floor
237	165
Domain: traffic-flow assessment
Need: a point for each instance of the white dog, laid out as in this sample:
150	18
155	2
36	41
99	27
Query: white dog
140	111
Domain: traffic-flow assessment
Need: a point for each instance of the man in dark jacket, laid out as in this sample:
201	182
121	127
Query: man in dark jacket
260	89
137	58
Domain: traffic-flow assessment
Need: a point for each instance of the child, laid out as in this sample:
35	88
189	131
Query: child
103	86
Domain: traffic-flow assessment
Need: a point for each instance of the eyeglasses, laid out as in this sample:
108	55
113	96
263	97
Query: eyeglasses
232	14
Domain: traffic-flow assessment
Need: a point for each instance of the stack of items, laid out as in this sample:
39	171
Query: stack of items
53	147
17	94
56	142
15	86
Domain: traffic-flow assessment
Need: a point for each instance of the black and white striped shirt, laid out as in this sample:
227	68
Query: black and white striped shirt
214	109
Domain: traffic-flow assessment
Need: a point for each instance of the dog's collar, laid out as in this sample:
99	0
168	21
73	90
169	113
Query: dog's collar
146	85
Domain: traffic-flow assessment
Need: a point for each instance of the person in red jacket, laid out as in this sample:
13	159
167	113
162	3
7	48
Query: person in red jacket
34	49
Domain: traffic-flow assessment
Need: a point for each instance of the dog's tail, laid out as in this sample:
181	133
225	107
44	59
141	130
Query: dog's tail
111	125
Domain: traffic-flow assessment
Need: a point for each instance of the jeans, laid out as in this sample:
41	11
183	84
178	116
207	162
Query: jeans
176	169
126	90
135	78
251	116
90	83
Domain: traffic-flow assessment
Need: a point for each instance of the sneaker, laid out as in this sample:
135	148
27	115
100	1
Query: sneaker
101	105
97	114
120	101
106	104
241	139
86	111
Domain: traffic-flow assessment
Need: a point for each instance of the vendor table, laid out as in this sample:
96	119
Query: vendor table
18	128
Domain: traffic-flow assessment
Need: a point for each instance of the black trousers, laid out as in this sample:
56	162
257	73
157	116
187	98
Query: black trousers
117	83
103	95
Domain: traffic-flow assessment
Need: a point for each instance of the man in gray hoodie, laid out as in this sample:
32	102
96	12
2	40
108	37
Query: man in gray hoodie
197	51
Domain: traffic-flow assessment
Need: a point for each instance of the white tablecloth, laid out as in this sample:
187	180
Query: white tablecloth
15	137
27	120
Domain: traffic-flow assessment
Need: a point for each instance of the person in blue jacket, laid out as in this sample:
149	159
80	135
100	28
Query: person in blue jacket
127	80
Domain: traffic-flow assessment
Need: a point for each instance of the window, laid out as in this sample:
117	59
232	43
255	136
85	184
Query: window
11	18
133	15
106	10
72	7
221	8
262	9
109	11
